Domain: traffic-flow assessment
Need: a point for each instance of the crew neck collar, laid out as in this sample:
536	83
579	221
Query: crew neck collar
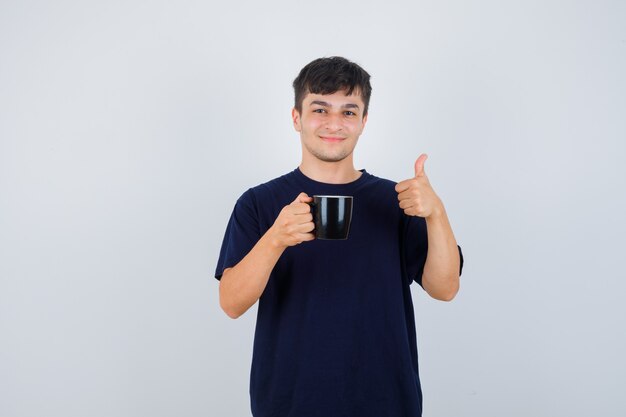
304	178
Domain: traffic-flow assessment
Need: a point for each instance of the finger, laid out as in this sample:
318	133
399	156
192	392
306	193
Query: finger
303	198
413	211
306	227
305	237
419	165
410	192
303	218
403	185
405	204
300	208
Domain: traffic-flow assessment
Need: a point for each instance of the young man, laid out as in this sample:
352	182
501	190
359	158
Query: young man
335	332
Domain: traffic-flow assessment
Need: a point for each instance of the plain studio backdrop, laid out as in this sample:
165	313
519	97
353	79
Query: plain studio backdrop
128	129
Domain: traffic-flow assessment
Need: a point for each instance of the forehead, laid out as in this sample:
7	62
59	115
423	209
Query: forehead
338	98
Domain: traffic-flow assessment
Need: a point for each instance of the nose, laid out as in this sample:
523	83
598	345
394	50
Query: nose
333	122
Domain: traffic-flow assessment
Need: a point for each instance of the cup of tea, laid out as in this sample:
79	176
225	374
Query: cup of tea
332	215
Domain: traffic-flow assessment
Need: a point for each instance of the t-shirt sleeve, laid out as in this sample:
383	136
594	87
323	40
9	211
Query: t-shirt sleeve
416	248
242	233
415	244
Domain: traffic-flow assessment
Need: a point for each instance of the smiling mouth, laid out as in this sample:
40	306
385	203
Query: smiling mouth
332	138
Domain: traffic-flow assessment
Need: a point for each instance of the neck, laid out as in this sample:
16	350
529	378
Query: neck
341	172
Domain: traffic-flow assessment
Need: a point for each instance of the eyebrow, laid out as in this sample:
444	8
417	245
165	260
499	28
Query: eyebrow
325	104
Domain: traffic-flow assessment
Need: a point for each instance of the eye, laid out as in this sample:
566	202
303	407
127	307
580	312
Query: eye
319	111
349	113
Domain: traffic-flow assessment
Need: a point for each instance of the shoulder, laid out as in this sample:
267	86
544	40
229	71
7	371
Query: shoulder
374	179
381	185
269	196
275	183
271	188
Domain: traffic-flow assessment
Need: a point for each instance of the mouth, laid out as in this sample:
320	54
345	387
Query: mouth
332	139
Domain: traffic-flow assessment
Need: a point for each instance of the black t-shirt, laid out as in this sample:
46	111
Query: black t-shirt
335	331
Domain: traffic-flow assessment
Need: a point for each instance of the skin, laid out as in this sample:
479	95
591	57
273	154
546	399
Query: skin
329	127
416	197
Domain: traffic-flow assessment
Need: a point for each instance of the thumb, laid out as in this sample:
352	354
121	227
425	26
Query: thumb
302	198
419	165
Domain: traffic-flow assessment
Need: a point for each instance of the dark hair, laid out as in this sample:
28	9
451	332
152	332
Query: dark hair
329	75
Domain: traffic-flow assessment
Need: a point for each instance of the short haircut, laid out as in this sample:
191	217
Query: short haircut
329	75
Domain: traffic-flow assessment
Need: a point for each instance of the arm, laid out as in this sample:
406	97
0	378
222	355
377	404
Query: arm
242	285
441	271
440	277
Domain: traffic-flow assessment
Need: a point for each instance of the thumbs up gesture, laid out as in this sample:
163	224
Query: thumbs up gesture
416	196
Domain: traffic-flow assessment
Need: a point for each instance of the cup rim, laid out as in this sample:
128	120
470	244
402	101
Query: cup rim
333	196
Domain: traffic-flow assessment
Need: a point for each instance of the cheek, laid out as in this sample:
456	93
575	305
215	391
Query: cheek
313	124
356	128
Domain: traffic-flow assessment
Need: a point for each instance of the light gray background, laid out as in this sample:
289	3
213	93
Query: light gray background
128	129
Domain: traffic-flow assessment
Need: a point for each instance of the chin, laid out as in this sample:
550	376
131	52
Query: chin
327	158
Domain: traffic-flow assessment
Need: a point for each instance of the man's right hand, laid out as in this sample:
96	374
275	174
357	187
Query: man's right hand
294	224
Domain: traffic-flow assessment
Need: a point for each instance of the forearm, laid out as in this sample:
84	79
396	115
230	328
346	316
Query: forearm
242	285
440	278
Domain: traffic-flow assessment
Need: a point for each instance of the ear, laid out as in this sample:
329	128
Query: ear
295	116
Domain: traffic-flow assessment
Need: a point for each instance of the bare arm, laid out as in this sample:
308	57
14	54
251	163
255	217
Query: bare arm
441	271
440	278
242	285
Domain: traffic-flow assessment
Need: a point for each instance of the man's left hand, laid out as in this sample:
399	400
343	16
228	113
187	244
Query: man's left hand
416	196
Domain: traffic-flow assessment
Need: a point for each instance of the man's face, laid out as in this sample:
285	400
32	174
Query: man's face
330	125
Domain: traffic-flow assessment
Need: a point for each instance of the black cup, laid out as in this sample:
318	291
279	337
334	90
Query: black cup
332	215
